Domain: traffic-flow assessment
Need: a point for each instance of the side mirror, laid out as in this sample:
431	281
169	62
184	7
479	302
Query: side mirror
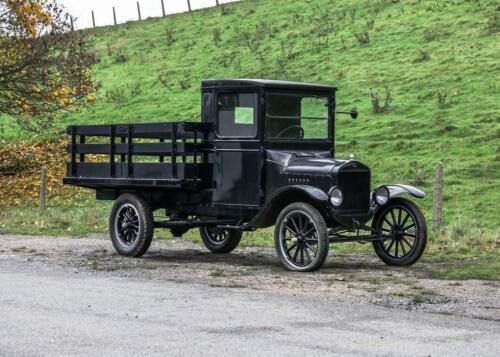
353	113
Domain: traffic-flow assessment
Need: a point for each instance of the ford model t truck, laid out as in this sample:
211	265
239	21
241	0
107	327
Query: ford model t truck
263	155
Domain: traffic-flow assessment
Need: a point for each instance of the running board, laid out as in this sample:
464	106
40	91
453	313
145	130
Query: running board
190	223
356	239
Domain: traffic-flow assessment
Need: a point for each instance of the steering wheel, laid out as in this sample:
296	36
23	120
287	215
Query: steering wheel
301	129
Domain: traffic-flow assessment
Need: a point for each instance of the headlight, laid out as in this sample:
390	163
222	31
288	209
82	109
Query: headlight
336	196
381	195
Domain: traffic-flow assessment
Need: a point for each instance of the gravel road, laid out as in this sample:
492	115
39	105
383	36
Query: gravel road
67	296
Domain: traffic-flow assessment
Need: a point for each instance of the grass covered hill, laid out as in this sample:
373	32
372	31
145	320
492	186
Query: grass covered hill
424	75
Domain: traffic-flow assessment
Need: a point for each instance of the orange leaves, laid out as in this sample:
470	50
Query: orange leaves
20	173
44	66
31	16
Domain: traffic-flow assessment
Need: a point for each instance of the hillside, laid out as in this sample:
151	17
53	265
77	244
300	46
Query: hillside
438	61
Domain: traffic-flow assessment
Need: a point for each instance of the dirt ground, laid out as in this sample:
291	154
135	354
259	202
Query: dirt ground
346	277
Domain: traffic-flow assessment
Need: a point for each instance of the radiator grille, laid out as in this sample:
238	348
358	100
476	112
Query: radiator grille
355	184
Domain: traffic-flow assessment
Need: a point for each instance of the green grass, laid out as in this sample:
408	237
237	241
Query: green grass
22	250
438	59
485	269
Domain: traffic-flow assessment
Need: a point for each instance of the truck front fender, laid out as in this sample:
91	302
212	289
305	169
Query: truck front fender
284	196
399	189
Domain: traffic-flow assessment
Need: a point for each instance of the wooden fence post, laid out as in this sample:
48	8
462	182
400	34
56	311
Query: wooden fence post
189	5
139	11
163	8
43	188
72	25
437	202
114	15
93	18
216	2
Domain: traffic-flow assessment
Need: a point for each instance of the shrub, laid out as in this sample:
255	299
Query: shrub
362	36
116	95
280	66
216	36
370	24
343	43
352	14
444	99
376	106
170	37
430	35
417	174
423	56
320	44
121	58
225	10
185	84
493	25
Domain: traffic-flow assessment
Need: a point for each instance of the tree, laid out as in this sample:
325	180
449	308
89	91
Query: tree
44	65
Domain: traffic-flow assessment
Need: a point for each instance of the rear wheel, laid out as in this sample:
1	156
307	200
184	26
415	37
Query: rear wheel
219	240
405	229
301	238
131	225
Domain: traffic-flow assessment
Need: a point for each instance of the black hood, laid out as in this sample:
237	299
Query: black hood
299	162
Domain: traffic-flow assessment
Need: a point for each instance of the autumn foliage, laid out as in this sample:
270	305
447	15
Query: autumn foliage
20	174
44	66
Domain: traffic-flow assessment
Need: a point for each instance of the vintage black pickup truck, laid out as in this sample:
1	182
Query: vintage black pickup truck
263	155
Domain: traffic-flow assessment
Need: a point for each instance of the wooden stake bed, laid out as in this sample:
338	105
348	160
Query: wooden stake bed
132	155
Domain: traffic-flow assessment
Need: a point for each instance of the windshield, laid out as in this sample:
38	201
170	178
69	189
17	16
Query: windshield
296	116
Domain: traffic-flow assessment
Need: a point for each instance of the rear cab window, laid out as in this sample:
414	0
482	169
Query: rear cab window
237	115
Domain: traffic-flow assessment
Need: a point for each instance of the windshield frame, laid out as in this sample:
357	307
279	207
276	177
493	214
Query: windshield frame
329	95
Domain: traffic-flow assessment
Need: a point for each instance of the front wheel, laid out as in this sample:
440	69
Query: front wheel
301	238
219	240
404	229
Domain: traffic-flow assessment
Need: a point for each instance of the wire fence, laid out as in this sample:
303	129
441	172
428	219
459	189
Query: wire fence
162	9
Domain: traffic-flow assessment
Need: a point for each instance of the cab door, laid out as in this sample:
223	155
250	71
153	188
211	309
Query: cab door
237	149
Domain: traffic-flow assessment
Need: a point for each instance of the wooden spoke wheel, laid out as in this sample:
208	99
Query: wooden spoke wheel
301	238
131	225
404	229
219	240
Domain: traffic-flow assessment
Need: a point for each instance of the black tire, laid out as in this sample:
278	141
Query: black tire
219	240
131	225
403	220
301	238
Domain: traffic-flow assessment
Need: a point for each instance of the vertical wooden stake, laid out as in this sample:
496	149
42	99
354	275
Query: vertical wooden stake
163	8
72	25
114	15
216	2
43	188
437	204
93	19
189	5
139	10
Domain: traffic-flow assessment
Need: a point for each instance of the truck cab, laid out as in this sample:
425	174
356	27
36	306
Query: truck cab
274	139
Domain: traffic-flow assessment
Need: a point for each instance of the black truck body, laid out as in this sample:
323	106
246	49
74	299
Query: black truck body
261	146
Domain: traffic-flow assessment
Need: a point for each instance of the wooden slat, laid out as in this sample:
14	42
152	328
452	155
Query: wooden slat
140	170
146	149
143	131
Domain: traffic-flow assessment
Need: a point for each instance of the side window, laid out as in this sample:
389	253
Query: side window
237	115
314	114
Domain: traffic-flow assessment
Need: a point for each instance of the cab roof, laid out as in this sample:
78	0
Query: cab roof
267	83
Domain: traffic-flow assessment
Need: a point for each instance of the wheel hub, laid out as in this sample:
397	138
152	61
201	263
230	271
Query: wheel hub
398	232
